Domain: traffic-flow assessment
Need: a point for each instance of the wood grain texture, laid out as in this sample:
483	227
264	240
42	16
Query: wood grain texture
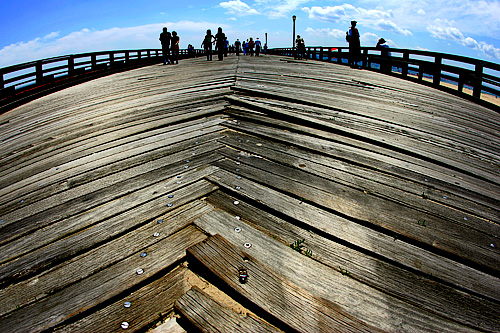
208	315
294	306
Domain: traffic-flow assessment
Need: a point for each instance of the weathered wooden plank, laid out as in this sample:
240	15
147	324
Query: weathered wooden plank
447	235
417	289
146	304
357	299
94	259
292	305
90	195
402	168
102	286
375	182
37	168
76	238
433	144
208	315
99	165
361	236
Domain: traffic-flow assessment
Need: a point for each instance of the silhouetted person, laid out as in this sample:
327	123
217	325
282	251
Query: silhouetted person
237	47
191	53
385	65
352	37
258	46
301	47
207	44
165	38
175	47
250	46
220	41
226	47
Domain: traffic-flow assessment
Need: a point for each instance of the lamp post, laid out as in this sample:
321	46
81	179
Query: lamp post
293	37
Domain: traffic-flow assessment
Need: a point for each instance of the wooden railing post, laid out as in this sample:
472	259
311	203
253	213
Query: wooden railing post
365	58
2	85
111	58
39	72
321	53
127	56
436	75
478	80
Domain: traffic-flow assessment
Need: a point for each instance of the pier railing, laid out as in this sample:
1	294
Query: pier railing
24	82
467	77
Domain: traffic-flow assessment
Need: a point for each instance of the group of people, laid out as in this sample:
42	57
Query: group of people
170	46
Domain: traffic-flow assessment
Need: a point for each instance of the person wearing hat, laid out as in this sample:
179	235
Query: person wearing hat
237	46
385	63
352	37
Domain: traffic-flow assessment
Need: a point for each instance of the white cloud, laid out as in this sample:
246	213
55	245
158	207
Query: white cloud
278	9
334	33
420	11
346	12
444	29
86	40
388	25
238	7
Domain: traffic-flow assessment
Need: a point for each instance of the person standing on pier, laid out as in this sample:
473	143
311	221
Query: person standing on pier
207	44
237	47
165	38
250	46
385	65
258	46
175	47
352	37
220	41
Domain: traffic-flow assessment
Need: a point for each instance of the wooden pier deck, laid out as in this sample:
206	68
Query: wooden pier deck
253	194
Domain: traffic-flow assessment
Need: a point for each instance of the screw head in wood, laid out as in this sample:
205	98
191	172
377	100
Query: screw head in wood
127	304
236	202
169	205
143	254
243	275
156	234
140	271
124	325
171	196
160	221
237	229
247	245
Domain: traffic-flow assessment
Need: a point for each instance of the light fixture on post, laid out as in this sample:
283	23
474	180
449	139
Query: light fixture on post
293	39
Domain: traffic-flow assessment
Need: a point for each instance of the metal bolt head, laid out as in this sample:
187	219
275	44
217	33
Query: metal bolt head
237	229
127	304
124	325
169	205
171	196
143	254
247	245
140	271
236	202
160	221
156	234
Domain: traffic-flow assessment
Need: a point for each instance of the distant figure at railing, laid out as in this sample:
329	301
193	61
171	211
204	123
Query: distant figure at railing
207	44
352	37
383	47
301	47
237	47
220	40
175	47
165	38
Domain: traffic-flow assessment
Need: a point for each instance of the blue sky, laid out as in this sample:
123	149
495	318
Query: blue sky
44	28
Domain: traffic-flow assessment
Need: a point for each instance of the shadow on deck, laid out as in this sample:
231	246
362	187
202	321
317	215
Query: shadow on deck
250	195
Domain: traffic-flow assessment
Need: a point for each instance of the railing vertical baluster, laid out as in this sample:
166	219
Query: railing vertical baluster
93	60
365	58
339	56
111	58
436	75
321	53
2	85
404	69
71	64
461	82
127	56
39	72
478	80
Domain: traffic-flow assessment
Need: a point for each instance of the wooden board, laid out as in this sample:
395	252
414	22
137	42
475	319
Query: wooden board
208	315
